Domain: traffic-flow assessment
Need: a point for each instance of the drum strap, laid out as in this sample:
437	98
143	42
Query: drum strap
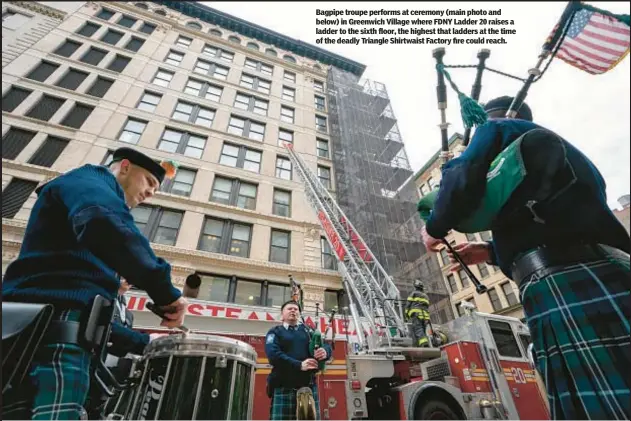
66	332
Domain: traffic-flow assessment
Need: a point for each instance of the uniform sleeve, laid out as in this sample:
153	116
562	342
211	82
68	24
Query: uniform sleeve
328	349
463	181
103	224
275	354
125	340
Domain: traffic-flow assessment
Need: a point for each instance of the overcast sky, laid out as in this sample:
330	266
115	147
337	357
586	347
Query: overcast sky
590	111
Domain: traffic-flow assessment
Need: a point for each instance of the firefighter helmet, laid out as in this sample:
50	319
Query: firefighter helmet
418	284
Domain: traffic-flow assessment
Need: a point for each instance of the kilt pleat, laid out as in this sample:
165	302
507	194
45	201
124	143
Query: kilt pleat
284	403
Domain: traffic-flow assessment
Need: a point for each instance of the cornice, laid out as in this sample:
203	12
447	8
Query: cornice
37	7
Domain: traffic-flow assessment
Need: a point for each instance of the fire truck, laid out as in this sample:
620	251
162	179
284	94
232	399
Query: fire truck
483	370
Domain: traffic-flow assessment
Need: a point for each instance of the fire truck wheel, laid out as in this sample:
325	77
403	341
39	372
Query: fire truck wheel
435	410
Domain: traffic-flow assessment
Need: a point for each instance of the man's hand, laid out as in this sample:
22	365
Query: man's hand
470	253
320	354
175	312
309	364
430	242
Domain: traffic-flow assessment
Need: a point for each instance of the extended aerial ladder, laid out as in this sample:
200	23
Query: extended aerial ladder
369	286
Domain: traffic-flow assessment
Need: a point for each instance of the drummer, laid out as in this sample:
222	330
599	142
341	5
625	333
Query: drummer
287	349
80	238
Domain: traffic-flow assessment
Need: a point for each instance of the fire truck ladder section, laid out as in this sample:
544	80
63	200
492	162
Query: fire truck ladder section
369	286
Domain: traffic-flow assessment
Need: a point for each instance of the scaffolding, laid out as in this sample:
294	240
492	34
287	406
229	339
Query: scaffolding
374	184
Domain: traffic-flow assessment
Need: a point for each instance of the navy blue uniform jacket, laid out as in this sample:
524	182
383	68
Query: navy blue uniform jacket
286	350
579	215
80	238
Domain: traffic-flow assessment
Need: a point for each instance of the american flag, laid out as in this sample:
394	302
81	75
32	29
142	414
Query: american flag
594	42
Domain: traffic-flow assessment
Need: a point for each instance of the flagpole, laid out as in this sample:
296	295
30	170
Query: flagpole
565	20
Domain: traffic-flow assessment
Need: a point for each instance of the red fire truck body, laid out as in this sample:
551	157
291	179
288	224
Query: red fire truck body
484	372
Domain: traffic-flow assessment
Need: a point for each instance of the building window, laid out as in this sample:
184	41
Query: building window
203	89
289	58
253	46
452	283
234	192
289	76
194	114
100	87
433	185
319	103
504	338
234	39
141	6
215	32
183	143
259	67
182	184
134	44
251	103
285	136
471	237
472	302
321	124
72	79
149	101
162	78
225	237
15	194
88	29
495	299
328	258
174	58
241	157
423	190
218	53
318	86
271	52
67	48
289	94
48	153
280	247
94	56
464	279
246	128
459	310
183	41
444	256
46	107
287	114
214	288
12	99
211	69
248	293
159	225
255	83
510	294
147	28
14	141
324	175
283	168
127	21
77	116
14	20
282	203
42	71
277	295
194	25
323	148
119	63
105	14
484	272
112	37
486	236
132	131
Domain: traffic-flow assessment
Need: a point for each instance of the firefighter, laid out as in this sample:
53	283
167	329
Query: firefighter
568	254
79	240
417	309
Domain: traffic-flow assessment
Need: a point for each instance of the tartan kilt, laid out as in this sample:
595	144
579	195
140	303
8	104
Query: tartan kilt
57	385
284	403
578	318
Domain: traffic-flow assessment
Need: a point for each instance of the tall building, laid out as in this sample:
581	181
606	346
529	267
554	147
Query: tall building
502	296
180	80
623	214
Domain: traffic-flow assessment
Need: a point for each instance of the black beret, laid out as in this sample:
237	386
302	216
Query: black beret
504	103
140	159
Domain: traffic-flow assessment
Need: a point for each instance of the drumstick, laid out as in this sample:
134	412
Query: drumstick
162	313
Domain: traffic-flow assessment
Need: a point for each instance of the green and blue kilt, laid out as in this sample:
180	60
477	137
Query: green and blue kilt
579	322
284	403
57	386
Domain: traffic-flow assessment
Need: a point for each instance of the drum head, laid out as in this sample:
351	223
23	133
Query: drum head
202	345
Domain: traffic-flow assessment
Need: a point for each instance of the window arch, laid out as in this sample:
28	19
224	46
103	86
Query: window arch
234	39
216	32
253	46
160	12
317	67
142	6
289	58
271	52
194	25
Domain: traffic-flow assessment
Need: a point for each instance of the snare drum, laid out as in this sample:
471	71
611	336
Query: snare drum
196	377
129	370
